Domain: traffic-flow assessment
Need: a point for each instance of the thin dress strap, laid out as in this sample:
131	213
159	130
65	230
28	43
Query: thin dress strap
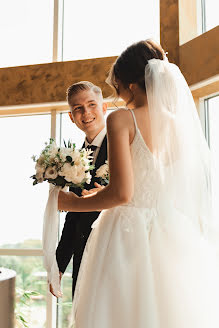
133	115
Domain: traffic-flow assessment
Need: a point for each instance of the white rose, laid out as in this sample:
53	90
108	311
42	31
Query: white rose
51	173
39	169
78	174
75	174
65	170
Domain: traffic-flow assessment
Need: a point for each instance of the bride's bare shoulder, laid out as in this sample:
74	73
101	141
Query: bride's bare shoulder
120	117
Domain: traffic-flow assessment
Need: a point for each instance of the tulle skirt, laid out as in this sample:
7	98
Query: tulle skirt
143	269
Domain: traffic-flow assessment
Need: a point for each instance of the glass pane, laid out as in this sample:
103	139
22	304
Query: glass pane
32	280
96	29
213	104
211	14
22	204
26	32
66	130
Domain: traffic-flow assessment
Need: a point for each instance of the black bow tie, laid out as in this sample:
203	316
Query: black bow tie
92	147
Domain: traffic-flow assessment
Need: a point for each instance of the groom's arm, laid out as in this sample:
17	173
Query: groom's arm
66	246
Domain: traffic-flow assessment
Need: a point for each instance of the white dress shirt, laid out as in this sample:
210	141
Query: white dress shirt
96	142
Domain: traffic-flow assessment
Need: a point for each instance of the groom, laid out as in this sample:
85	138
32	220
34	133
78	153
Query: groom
87	112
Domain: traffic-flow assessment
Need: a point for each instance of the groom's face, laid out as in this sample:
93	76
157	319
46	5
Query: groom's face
88	111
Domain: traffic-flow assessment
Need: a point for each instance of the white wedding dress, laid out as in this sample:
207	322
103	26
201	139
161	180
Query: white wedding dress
146	265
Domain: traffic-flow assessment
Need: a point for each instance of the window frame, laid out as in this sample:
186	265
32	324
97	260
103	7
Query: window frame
51	302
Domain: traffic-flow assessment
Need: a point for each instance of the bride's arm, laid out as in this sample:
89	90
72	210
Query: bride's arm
120	189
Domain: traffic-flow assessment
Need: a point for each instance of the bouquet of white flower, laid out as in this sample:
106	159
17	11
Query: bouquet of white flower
63	166
103	173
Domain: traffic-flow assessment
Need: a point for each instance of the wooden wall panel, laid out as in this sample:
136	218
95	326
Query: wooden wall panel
169	28
48	82
199	58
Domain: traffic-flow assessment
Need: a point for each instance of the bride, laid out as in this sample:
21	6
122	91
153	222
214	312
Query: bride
150	261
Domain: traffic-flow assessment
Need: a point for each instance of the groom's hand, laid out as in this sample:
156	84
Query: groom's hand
50	286
98	188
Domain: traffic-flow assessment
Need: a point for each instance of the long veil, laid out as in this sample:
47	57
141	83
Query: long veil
181	153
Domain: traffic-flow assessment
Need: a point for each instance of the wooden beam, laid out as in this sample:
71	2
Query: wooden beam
169	28
48	82
46	108
207	90
199	58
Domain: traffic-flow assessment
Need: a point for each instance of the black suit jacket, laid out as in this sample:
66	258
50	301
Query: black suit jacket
77	226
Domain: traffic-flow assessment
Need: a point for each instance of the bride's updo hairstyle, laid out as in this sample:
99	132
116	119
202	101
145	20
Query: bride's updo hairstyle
130	65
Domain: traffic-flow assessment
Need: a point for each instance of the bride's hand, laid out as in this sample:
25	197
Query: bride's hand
65	200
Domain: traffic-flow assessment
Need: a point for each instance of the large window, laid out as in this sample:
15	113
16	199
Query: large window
32	32
22	204
210	14
99	29
26	32
22	207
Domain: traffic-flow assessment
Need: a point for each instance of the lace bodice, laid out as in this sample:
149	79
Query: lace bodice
146	184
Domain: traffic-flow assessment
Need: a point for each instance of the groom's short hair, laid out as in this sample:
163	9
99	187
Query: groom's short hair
82	86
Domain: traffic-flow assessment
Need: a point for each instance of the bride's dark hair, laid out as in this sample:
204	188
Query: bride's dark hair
130	65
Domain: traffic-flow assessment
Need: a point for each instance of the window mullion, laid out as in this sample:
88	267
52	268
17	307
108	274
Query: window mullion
203	16
207	132
21	252
53	124
55	30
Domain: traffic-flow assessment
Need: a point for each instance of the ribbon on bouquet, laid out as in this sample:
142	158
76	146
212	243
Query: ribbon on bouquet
49	240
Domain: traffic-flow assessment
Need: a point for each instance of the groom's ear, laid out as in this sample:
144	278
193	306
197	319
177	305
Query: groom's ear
104	108
71	117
